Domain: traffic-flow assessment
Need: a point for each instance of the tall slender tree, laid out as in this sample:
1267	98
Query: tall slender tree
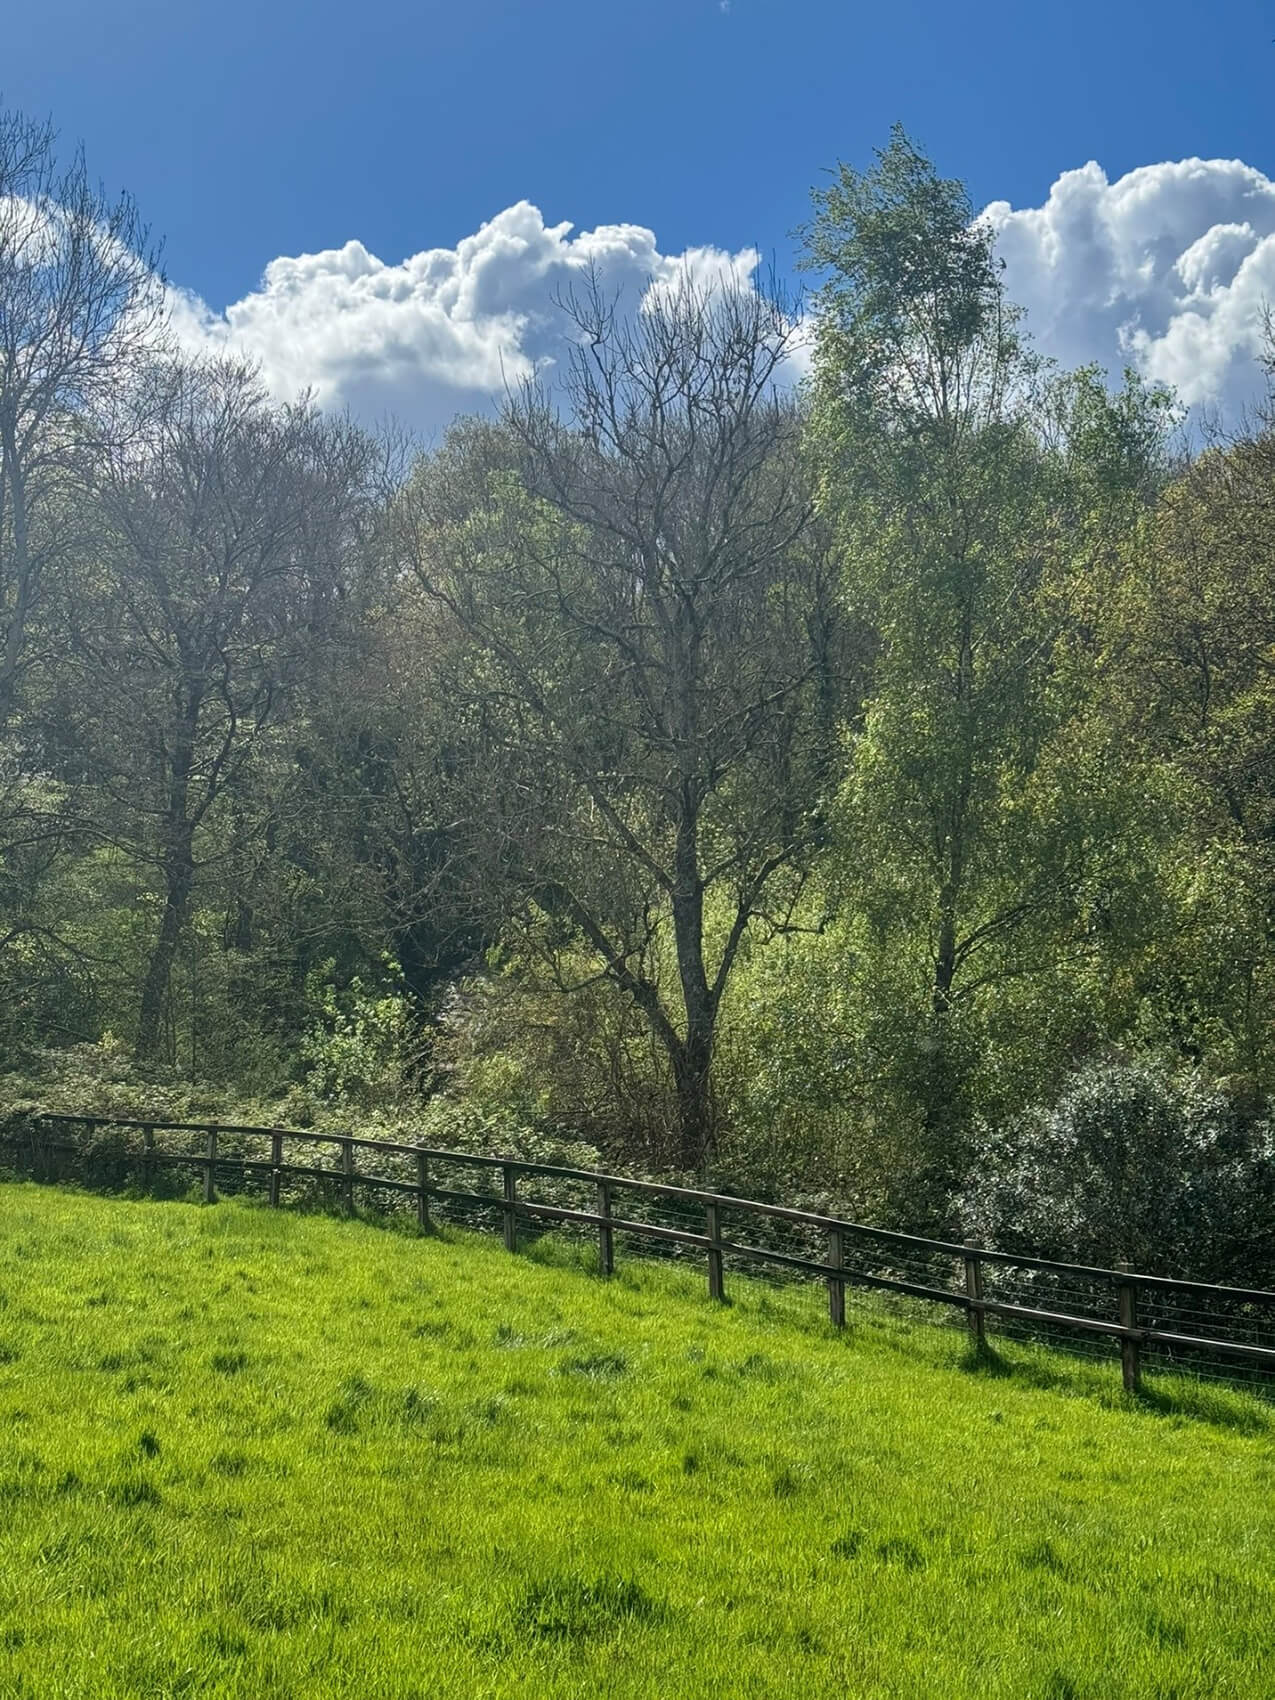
964	480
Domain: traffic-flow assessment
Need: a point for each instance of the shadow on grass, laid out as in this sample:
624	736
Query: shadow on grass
1173	1397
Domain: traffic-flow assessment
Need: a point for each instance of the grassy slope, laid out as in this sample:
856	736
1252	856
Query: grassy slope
256	1455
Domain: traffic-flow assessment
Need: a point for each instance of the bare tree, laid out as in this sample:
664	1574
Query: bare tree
655	623
80	299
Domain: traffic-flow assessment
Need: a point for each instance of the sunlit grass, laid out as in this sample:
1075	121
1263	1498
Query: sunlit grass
265	1455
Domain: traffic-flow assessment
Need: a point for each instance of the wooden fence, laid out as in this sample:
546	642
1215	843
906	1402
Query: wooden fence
1189	1323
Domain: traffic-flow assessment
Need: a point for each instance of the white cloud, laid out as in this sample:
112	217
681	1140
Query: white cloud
445	329
1167	269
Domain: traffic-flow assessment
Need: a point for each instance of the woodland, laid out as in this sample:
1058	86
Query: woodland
815	744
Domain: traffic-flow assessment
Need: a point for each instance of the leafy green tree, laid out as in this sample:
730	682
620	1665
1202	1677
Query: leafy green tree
227	531
1193	691
976	497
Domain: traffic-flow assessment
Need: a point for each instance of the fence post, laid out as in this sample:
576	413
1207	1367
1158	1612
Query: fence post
148	1160
1127	1301
836	1284
716	1281
347	1168
606	1237
422	1189
511	1215
210	1164
47	1152
276	1162
975	1316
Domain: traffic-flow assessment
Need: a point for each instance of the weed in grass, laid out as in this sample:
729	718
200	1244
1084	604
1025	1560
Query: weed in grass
848	1544
758	1367
418	1406
567	1608
1168	1632
901	1551
133	1490
632	1481
342	1415
597	1366
1043	1555
785	1483
520	1388
1059	1686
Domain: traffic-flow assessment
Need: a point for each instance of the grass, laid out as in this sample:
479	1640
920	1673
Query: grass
267	1455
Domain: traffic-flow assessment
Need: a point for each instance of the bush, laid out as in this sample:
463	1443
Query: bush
363	1048
1174	1172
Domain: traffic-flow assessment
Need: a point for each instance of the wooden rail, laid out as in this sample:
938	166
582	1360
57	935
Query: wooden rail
969	1262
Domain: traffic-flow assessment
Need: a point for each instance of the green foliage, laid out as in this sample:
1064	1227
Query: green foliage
364	1046
1171	1172
787	785
312	1459
906	261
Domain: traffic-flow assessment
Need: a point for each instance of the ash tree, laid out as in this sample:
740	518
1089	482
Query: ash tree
653	657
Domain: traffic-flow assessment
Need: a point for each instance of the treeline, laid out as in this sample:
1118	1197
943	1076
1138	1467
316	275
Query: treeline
831	751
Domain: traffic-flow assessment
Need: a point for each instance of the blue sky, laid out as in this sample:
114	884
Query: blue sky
252	131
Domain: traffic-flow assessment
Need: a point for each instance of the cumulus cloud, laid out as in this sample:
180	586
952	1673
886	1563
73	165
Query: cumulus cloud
445	329
1167	269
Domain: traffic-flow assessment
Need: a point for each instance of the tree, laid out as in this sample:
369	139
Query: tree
226	530
969	488
1193	691
80	303
653	651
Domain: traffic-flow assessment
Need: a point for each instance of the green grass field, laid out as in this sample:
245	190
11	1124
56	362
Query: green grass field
269	1455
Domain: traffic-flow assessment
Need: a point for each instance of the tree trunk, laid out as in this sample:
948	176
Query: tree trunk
944	1154
693	1063
696	1127
179	873
15	630
178	865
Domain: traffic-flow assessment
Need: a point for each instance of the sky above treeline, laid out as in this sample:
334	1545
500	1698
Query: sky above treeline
382	202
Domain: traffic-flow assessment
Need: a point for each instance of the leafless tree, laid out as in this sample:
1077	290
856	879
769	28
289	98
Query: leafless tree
80	300
648	590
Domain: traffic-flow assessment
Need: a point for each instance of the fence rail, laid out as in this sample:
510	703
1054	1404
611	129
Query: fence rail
1184	1321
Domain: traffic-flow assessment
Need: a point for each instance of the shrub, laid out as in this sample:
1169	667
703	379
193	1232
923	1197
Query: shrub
1174	1172
363	1047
